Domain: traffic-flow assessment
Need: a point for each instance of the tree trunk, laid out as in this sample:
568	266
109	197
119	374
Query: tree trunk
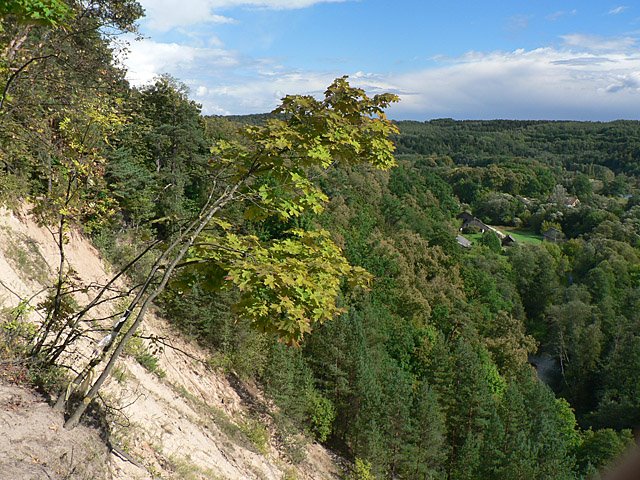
200	224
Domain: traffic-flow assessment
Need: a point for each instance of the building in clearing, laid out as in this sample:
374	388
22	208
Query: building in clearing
572	202
463	242
508	241
469	221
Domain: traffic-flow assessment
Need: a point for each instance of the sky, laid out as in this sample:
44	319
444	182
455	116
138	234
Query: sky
462	59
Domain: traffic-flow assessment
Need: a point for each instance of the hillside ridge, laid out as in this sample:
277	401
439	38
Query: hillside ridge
191	423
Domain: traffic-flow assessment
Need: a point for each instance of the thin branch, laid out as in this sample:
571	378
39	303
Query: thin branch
10	290
15	74
163	341
186	239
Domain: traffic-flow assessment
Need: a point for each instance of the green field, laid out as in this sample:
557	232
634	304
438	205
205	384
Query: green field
474	237
521	235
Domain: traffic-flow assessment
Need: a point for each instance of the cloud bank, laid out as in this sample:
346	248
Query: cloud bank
165	15
544	83
588	78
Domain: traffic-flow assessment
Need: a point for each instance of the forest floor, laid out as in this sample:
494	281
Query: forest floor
174	419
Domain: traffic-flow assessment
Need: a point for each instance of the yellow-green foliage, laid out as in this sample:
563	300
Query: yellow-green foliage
322	413
287	285
46	12
361	471
16	332
136	348
257	433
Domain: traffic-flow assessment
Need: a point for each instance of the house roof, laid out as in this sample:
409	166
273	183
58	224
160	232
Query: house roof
572	201
463	242
508	240
466	216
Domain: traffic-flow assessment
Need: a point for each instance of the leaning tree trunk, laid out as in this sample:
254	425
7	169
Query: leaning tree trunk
60	345
103	347
199	224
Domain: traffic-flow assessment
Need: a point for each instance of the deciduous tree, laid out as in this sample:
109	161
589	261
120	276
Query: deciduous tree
287	285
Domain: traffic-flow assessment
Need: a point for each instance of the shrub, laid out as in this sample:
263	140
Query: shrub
322	413
361	471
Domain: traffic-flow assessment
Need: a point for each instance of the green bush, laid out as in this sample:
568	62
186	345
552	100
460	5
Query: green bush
361	471
48	378
16	333
491	241
257	433
13	190
322	413
136	348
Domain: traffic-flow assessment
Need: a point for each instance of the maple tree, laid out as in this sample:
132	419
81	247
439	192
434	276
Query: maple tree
290	284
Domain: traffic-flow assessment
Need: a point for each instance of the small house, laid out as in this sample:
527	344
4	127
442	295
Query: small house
463	242
469	221
572	202
508	241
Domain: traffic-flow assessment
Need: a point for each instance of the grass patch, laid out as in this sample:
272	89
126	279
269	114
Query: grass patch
119	374
247	433
151	363
522	235
289	474
24	254
136	348
187	470
473	237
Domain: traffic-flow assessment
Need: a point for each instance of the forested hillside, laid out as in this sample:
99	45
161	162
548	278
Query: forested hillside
308	259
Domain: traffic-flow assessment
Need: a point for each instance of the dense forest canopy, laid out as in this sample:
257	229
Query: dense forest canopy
506	362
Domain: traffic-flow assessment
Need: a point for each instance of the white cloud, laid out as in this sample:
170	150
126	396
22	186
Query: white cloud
618	10
275	4
538	84
630	82
546	83
201	91
561	13
164	15
148	59
596	43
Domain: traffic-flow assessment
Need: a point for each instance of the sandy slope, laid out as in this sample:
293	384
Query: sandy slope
33	444
190	424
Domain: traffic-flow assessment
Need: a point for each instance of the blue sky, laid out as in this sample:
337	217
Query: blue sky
462	59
